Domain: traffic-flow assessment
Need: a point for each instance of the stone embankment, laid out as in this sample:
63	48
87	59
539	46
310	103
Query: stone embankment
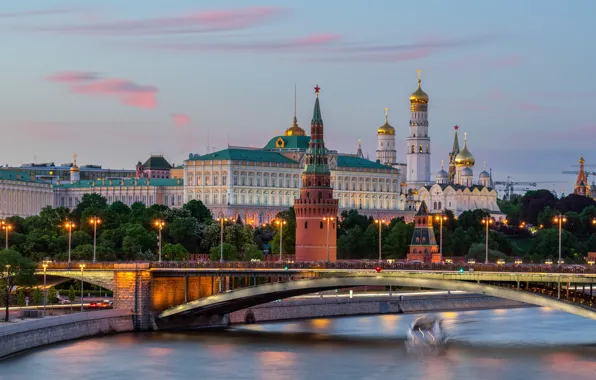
17	337
296	308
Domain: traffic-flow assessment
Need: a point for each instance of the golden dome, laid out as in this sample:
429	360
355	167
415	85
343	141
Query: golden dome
386	129
295	130
419	96
74	167
464	157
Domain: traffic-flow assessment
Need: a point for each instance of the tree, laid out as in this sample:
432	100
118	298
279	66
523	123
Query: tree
15	270
71	294
175	252
574	203
90	201
185	231
478	251
534	202
252	252
229	253
198	211
37	297
21	301
52	295
238	235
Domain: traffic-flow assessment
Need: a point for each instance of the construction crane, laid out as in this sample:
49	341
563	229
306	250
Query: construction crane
509	186
576	172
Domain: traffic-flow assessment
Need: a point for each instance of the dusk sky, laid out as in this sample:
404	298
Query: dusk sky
115	81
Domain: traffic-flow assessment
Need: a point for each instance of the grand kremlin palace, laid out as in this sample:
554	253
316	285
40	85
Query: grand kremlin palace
256	184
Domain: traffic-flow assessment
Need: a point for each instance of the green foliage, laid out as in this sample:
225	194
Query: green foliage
37	297
533	203
21	301
229	253
16	271
71	294
175	252
185	230
198	211
478	251
252	252
52	295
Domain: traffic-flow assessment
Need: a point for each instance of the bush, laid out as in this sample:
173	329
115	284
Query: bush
37	297
175	252
52	295
71	294
229	253
252	252
21	298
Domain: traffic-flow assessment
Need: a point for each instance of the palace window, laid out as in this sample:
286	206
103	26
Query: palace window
215	180
224	180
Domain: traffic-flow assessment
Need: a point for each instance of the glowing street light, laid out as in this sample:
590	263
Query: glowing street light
380	223
69	226
487	221
6	227
221	223
560	219
45	288
82	266
441	218
95	220
328	219
281	223
159	224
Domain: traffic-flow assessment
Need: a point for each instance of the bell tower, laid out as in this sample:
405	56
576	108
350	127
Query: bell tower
418	157
316	209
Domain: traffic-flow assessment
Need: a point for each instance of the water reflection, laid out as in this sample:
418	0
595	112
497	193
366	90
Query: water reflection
509	344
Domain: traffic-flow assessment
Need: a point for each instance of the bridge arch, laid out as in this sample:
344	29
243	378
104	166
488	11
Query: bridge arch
228	302
105	279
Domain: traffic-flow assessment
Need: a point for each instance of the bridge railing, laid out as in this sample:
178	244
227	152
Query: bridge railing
340	265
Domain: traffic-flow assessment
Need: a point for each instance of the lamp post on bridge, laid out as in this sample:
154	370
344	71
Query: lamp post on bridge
221	223
328	219
380	223
45	287
560	219
487	221
69	226
159	224
95	220
441	218
82	266
6	227
281	223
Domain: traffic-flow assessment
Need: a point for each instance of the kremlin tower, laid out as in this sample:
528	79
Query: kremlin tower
418	157
386	153
581	183
316	209
454	152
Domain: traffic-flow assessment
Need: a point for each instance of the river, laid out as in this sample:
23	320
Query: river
532	343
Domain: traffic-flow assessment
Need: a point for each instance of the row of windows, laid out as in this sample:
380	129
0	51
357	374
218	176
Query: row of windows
321	225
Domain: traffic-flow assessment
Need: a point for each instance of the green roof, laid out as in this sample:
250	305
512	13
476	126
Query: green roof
234	154
290	142
157	162
359	162
9	175
128	182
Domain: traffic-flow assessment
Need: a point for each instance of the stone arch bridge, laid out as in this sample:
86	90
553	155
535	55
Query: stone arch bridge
184	294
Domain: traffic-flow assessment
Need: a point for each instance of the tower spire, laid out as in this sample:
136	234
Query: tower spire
442	164
295	120
386	115
359	151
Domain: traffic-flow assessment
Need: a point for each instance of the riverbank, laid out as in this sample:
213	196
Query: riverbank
341	305
33	333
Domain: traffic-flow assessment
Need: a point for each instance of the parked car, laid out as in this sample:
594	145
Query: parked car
93	305
106	304
64	301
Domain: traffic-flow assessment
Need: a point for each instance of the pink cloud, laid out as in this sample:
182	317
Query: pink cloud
312	41
38	12
199	22
482	62
180	119
129	93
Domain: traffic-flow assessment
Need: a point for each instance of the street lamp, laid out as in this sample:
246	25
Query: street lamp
441	218
95	220
70	226
380	223
6	227
560	219
281	234
221	221
45	288
82	266
159	224
486	221
328	219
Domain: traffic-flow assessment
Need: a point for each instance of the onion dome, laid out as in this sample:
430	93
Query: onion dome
442	174
464	157
295	130
467	172
386	129
419	96
74	167
484	175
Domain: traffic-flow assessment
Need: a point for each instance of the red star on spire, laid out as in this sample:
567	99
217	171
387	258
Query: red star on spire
317	89
456	127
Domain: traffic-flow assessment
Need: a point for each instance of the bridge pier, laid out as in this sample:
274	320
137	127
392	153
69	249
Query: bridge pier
132	291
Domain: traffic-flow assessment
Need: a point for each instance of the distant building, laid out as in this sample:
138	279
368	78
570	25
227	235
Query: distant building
424	246
155	167
22	195
582	187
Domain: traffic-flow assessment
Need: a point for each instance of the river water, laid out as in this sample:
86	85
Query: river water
534	343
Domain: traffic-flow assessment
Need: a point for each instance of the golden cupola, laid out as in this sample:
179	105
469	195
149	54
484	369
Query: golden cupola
464	157
386	129
295	130
419	96
74	167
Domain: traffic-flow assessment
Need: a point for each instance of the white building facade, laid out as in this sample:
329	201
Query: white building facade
22	196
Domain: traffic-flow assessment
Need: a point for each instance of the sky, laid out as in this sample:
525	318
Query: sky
116	81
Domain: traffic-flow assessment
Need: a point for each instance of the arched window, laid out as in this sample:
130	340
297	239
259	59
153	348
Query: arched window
420	149
413	149
306	225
